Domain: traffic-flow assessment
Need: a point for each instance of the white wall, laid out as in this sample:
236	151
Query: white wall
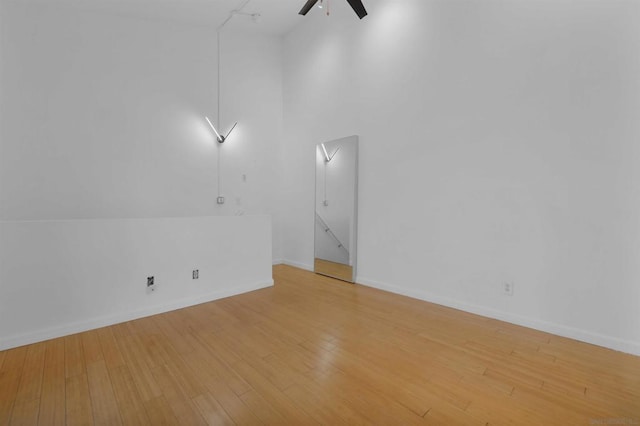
499	139
251	162
105	117
102	140
498	142
62	277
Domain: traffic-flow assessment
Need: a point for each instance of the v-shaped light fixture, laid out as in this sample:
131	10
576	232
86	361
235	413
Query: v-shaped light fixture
356	5
327	157
255	16
221	138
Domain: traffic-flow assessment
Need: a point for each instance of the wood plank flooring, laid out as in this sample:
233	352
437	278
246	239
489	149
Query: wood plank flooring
313	350
333	269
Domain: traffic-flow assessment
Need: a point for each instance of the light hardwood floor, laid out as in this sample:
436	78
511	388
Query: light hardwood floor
333	269
316	350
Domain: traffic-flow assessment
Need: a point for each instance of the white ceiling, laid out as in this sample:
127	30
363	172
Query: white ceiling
278	17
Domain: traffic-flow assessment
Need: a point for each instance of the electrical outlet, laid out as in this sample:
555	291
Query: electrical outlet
195	274
507	288
151	285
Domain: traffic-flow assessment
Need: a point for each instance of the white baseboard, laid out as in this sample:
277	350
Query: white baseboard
78	327
300	265
614	343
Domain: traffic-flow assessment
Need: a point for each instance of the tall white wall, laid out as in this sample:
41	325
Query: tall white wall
498	143
62	277
108	169
105	117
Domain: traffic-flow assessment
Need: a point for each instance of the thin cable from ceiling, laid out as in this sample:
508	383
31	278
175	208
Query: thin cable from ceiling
218	30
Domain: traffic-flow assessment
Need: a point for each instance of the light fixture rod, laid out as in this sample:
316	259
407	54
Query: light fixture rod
237	11
326	154
214	129
255	16
221	138
232	127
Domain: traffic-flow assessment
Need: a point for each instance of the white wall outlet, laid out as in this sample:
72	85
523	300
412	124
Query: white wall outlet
195	274
151	285
220	200
507	288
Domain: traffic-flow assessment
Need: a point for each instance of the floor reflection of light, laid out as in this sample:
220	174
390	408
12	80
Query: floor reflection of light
326	354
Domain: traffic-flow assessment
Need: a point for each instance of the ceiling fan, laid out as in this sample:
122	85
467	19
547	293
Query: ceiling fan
356	5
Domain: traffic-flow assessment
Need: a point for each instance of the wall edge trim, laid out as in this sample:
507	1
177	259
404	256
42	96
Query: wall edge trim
295	264
614	343
120	317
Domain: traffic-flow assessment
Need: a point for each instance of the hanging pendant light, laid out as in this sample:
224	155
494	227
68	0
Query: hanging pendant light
219	137
255	17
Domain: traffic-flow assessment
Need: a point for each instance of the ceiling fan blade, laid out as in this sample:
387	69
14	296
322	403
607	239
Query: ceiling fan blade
307	7
358	7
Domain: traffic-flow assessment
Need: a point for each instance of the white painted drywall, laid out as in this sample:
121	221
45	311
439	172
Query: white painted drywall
62	277
2	37
105	117
498	142
103	138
